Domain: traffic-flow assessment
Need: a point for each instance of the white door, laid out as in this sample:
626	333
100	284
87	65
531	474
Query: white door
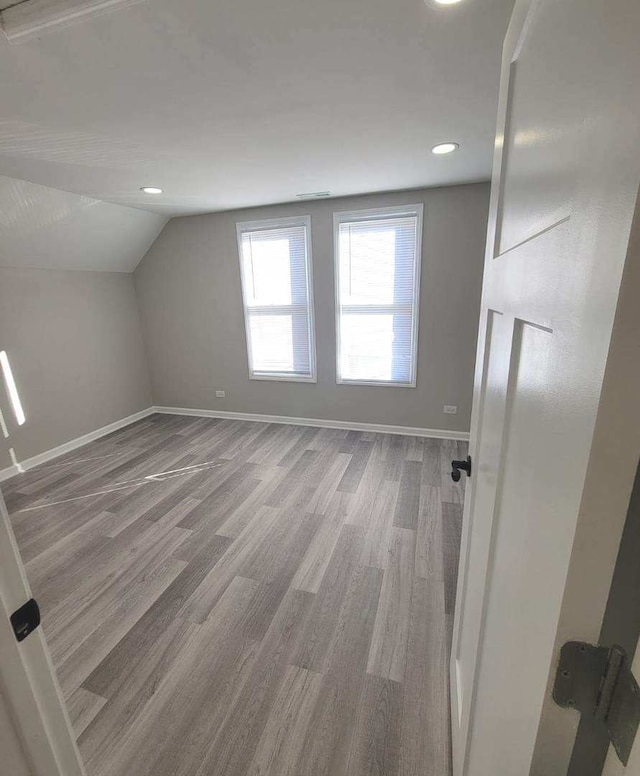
565	181
31	705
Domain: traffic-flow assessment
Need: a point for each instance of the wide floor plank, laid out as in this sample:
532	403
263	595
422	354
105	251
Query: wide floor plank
245	599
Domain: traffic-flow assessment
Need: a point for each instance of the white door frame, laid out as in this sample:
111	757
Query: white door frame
27	676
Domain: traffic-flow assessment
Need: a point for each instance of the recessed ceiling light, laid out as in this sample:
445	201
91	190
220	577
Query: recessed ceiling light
151	190
444	148
447	2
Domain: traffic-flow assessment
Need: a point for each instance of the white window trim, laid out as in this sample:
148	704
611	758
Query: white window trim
279	223
369	215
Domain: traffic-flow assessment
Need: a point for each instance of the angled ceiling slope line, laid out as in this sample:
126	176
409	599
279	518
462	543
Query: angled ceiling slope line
47	228
23	20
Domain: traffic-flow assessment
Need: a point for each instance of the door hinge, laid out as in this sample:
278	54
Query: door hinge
25	619
598	681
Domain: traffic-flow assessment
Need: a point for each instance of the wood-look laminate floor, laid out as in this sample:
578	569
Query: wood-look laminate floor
225	598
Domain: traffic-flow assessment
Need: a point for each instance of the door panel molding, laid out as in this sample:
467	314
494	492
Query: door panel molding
492	403
530	154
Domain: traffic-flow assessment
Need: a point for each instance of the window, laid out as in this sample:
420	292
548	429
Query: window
275	266
377	255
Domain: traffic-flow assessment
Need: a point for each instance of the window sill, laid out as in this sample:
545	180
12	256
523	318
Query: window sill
379	383
284	378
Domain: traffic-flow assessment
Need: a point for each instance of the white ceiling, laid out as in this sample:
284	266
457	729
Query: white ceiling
53	229
232	103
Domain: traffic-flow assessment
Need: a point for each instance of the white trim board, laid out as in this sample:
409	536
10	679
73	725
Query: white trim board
435	433
73	444
10	471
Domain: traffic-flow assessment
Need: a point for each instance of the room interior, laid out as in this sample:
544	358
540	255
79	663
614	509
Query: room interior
240	524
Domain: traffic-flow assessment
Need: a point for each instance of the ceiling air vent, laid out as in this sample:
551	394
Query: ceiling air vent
314	195
22	19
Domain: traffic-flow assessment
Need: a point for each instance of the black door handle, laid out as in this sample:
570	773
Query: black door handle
456	466
25	619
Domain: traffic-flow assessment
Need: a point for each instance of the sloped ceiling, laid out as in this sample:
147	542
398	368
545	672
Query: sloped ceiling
52	229
233	103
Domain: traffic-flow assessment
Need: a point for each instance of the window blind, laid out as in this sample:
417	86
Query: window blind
275	264
378	272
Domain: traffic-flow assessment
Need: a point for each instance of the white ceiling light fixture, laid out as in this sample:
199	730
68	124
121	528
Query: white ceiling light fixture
152	190
447	2
444	148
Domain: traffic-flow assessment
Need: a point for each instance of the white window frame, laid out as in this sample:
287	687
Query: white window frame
371	214
279	223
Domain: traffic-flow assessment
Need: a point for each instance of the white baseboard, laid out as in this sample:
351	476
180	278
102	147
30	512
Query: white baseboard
73	444
435	433
10	471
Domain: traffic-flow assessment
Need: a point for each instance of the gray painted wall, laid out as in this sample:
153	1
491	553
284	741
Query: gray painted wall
76	351
188	288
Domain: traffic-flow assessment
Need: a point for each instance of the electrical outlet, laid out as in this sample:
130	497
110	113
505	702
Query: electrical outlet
450	409
220	394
